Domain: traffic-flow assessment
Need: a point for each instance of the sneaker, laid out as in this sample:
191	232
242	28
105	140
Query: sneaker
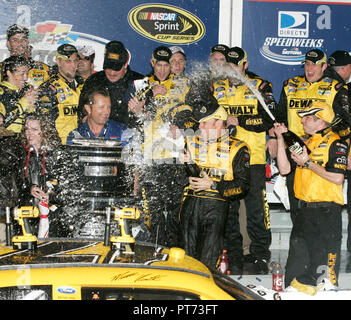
326	285
249	258
304	288
261	266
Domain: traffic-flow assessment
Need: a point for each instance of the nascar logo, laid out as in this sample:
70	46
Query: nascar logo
166	23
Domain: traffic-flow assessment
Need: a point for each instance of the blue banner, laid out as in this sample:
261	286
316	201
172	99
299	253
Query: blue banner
140	25
276	35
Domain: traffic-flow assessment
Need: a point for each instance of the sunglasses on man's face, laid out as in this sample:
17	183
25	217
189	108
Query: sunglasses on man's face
84	58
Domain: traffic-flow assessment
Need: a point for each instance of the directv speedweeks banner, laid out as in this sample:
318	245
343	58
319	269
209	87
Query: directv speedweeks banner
140	25
276	35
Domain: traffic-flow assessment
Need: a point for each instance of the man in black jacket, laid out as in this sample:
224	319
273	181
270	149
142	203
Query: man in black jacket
339	68
116	77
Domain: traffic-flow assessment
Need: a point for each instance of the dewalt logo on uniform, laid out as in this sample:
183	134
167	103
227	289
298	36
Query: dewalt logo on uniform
70	110
241	110
300	103
166	23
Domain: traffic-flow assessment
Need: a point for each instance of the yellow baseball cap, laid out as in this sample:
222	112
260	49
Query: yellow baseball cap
320	109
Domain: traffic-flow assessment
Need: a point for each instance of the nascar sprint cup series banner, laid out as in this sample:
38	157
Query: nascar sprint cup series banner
276	35
140	25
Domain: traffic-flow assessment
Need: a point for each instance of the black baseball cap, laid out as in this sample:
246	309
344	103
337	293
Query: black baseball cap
221	48
64	51
317	56
209	109
236	55
162	53
339	58
116	56
14	29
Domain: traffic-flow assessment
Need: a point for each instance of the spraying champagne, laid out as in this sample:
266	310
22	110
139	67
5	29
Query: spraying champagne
293	142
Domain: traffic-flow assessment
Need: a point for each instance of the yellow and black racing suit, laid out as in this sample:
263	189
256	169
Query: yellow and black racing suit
13	105
60	99
163	178
38	73
298	94
239	100
315	239
203	214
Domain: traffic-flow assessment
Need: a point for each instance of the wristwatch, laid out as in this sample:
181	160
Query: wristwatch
214	185
307	163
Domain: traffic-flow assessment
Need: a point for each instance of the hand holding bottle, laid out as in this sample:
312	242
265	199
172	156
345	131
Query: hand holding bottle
38	193
202	183
292	141
300	158
279	129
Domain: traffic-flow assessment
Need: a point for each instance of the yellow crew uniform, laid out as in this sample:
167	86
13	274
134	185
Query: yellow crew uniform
156	129
240	101
39	72
60	98
319	189
317	229
217	160
204	213
161	187
13	105
298	94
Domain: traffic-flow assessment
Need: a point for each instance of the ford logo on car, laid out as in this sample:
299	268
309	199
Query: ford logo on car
66	290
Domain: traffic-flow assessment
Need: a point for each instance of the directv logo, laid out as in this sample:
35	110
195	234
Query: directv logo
293	24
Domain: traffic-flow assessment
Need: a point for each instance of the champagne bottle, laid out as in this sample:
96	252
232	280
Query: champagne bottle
294	142
192	170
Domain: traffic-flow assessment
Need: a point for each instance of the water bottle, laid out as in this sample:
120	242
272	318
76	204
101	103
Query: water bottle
277	277
223	262
293	142
43	231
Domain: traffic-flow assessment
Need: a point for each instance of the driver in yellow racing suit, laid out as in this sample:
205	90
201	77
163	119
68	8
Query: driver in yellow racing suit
60	94
161	181
224	162
250	123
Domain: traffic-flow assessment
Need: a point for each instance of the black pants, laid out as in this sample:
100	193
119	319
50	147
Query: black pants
315	243
233	240
202	228
348	175
257	213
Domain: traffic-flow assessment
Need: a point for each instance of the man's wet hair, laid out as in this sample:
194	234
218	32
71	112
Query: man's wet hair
88	97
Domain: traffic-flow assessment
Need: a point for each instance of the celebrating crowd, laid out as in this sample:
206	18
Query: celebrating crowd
223	123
